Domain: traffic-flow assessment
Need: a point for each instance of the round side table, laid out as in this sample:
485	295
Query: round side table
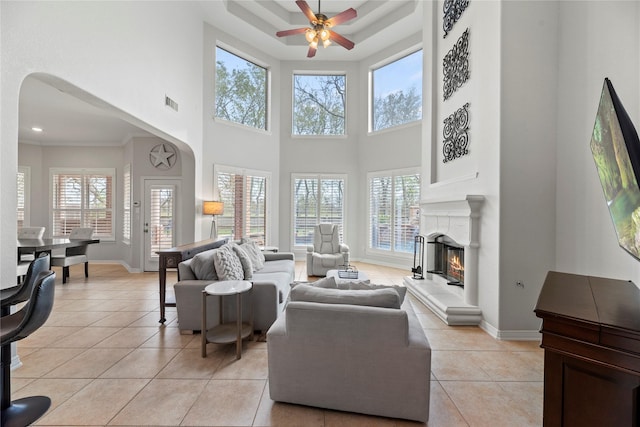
225	333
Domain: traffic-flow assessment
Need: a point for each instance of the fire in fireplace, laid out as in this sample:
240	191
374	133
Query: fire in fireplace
447	260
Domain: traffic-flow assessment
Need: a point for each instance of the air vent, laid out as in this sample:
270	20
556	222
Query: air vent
170	103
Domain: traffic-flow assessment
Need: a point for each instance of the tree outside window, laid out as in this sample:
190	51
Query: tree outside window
397	92
394	210
319	104
241	90
317	199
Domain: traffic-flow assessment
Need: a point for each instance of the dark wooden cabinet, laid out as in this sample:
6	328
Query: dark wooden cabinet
591	337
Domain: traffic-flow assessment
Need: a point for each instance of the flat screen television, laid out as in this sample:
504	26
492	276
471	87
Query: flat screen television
616	151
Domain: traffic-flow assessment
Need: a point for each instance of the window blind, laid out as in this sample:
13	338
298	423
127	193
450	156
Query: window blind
317	199
126	204
82	200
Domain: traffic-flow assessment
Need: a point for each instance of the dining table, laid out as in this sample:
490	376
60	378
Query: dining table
38	246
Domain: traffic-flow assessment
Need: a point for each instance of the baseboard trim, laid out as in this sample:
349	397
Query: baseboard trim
513	335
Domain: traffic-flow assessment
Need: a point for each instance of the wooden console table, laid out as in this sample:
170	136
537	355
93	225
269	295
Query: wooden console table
591	337
170	258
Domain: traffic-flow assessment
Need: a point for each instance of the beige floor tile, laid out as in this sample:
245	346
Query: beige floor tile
252	366
71	318
46	335
18	383
226	403
511	365
189	364
350	419
85	338
442	410
175	397
456	365
89	364
431	321
120	319
527	396
43	360
461	338
129	337
272	413
58	390
95	404
168	337
151	319
141	363
486	404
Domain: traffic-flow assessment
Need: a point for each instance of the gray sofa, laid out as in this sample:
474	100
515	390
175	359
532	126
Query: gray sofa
358	358
270	291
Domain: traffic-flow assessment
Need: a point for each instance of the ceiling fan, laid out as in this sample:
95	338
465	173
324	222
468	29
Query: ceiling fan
321	28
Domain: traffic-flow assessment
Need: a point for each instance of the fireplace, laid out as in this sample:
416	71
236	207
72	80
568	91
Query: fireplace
451	227
446	259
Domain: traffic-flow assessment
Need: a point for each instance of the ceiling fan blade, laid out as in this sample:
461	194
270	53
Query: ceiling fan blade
342	41
343	16
312	52
304	7
291	32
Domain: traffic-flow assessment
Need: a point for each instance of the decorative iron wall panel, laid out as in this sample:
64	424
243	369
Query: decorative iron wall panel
452	10
455	133
455	66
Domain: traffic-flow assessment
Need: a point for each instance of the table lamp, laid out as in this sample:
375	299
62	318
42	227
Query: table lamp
213	208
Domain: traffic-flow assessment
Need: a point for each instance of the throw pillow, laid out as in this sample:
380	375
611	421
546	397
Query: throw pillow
383	297
254	254
401	290
203	266
247	266
228	266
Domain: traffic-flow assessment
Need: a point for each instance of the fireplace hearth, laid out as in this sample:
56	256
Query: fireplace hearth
446	259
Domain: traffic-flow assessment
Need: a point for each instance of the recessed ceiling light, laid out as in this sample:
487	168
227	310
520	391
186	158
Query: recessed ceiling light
36	129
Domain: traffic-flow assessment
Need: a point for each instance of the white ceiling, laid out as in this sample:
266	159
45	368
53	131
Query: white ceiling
70	117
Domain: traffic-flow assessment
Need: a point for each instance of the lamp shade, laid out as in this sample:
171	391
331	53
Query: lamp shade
212	208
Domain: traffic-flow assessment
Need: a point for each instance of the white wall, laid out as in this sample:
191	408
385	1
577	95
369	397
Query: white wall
120	52
596	40
478	172
240	146
529	64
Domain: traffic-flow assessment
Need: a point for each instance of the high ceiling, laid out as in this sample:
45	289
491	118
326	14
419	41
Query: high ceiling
67	118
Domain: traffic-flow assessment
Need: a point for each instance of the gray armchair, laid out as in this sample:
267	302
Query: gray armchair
327	253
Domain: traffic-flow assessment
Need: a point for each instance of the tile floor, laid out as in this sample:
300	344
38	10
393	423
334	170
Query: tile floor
104	359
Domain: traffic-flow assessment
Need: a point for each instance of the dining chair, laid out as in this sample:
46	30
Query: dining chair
27	272
14	327
30	233
75	255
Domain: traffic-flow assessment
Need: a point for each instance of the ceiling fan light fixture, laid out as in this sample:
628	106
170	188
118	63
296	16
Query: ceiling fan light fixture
314	43
324	34
310	34
326	42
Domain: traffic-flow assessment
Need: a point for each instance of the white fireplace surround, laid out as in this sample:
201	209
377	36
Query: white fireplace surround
458	219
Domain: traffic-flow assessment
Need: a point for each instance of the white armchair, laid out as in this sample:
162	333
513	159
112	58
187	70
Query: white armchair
326	253
30	233
75	255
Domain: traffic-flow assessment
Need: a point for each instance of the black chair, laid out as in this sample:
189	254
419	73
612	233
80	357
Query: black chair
14	327
17	294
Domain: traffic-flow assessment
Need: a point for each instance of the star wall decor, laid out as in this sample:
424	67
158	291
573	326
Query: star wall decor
162	156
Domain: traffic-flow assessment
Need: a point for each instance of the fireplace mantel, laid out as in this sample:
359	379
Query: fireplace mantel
458	218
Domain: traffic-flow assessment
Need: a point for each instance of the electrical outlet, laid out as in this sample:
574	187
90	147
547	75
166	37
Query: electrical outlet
520	284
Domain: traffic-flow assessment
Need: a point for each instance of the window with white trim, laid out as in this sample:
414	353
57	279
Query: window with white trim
241	90
396	89
82	198
23	192
394	210
317	199
126	204
245	194
319	104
